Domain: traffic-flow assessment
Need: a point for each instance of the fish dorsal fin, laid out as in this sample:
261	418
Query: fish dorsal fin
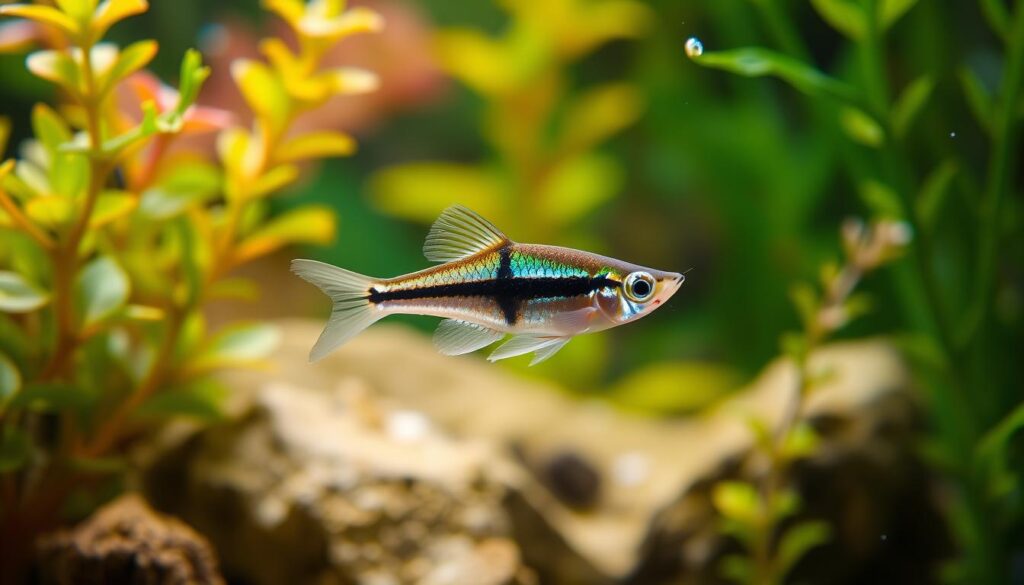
456	337
460	232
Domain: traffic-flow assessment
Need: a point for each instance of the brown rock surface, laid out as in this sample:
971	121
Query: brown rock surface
126	542
385	440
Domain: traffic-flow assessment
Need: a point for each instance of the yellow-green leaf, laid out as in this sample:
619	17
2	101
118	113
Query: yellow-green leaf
477	60
202	399
861	127
351	81
131	59
111	205
49	128
56	67
598	114
50	211
241	289
17	295
103	288
797	541
112	11
674	387
274	180
843	15
420	191
909	104
934	193
316	145
237	345
883	202
579	185
144	313
262	89
738	501
79	10
312	224
42	14
893	10
10	379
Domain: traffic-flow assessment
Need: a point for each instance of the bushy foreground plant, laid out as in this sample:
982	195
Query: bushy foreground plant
114	235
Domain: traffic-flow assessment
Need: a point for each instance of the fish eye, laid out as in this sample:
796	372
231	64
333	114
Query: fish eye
639	287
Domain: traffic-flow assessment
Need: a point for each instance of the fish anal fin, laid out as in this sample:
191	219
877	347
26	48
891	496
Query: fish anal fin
460	232
544	345
456	337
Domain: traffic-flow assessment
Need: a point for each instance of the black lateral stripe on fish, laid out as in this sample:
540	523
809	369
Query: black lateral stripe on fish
488	286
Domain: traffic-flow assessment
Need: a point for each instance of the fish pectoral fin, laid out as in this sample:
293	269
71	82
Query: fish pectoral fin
545	346
574	322
456	337
460	232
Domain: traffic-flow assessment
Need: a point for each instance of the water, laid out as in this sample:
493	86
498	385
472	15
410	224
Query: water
694	48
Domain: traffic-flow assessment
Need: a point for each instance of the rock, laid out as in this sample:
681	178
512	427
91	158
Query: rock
334	487
126	542
581	492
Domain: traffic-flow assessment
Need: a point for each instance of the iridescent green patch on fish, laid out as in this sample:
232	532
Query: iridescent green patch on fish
488	286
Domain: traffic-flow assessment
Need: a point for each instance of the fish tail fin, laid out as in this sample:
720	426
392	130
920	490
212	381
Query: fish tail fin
352	311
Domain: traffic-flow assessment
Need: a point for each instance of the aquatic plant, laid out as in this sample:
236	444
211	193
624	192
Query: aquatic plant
955	329
762	515
114	234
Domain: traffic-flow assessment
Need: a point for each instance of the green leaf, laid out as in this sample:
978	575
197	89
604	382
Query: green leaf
598	114
103	288
15	448
801	442
241	289
80	10
56	67
274	180
843	15
577	186
674	387
737	568
51	211
934	193
17	295
52	397
10	379
420	191
883	202
738	501
998	17
978	98
861	127
238	345
184	184
49	128
893	10
798	540
807	303
310	224
112	205
200	399
758	62
191	77
316	145
132	58
909	104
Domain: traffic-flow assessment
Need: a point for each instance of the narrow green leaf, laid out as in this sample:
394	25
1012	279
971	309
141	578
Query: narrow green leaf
909	104
998	17
893	10
132	58
49	128
978	98
737	568
934	193
310	224
15	448
192	76
18	296
737	501
861	127
883	202
52	397
10	379
758	62
201	399
798	540
103	288
843	15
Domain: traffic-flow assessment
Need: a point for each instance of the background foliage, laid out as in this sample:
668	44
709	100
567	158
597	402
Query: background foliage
583	123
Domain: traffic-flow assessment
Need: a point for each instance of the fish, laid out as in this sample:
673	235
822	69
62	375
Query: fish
486	286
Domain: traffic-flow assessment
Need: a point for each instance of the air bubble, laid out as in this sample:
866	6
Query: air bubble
694	48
